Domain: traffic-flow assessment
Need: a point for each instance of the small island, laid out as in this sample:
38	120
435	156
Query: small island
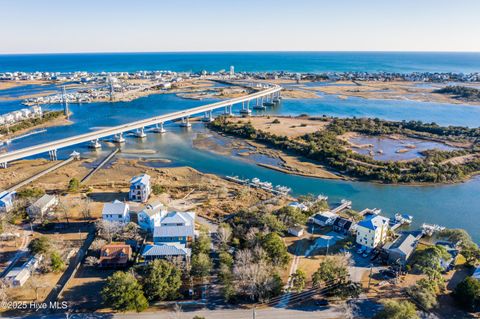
454	156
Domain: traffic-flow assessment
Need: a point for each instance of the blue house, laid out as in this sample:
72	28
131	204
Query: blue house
175	227
6	201
150	217
139	188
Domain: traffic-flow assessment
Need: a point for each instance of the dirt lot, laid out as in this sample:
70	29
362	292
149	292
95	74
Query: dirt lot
287	126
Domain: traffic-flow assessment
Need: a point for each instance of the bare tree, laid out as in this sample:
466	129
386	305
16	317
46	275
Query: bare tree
107	229
87	208
224	233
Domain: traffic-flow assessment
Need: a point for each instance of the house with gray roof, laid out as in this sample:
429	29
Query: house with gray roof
163	251
116	212
400	250
175	227
139	188
42	206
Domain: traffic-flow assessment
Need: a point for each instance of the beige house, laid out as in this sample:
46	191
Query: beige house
372	231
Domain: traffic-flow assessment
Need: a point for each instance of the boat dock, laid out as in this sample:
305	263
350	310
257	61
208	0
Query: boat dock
99	166
256	183
344	204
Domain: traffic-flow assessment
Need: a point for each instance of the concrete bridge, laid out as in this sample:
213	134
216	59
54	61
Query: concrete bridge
269	92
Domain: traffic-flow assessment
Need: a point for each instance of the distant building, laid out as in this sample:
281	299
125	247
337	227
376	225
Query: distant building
372	231
115	255
42	206
116	212
6	201
400	250
298	205
232	70
324	218
150	217
296	231
139	188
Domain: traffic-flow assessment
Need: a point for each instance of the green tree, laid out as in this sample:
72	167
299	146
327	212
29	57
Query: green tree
291	216
425	293
299	278
226	259
393	309
161	280
30	192
467	293
329	271
123	292
201	265
73	185
157	189
275	248
56	262
202	244
40	245
429	259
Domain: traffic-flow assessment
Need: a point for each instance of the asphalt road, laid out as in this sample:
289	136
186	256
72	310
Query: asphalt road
272	313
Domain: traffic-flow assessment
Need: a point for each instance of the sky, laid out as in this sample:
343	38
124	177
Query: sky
48	26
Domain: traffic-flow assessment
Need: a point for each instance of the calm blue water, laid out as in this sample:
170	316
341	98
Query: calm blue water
448	205
247	61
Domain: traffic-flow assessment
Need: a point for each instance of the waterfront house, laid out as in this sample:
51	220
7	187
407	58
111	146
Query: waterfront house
42	206
36	110
139	188
116	212
6	201
115	255
150	217
343	226
401	249
2	120
9	118
175	227
323	218
26	113
372	232
165	251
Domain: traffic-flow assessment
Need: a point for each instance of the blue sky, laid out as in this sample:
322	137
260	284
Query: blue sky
32	26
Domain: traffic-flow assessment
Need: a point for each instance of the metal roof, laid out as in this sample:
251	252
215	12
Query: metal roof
165	250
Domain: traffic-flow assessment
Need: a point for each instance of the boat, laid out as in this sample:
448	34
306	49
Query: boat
430	229
403	218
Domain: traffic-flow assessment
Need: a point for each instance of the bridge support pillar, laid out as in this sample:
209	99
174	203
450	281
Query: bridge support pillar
208	116
4	165
53	155
159	128
140	133
185	122
95	144
245	108
119	138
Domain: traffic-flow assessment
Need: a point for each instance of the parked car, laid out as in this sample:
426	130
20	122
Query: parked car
366	253
388	273
321	302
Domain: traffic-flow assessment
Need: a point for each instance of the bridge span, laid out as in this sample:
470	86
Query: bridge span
270	92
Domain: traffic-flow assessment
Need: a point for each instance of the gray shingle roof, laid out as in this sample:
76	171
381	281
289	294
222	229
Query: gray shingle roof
165	250
174	231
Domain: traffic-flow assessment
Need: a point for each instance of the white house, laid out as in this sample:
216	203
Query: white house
17	276
42	206
139	188
36	110
150	217
26	113
116	212
296	231
372	231
6	201
298	205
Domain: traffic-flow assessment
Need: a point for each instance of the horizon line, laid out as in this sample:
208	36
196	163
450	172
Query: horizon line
234	51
